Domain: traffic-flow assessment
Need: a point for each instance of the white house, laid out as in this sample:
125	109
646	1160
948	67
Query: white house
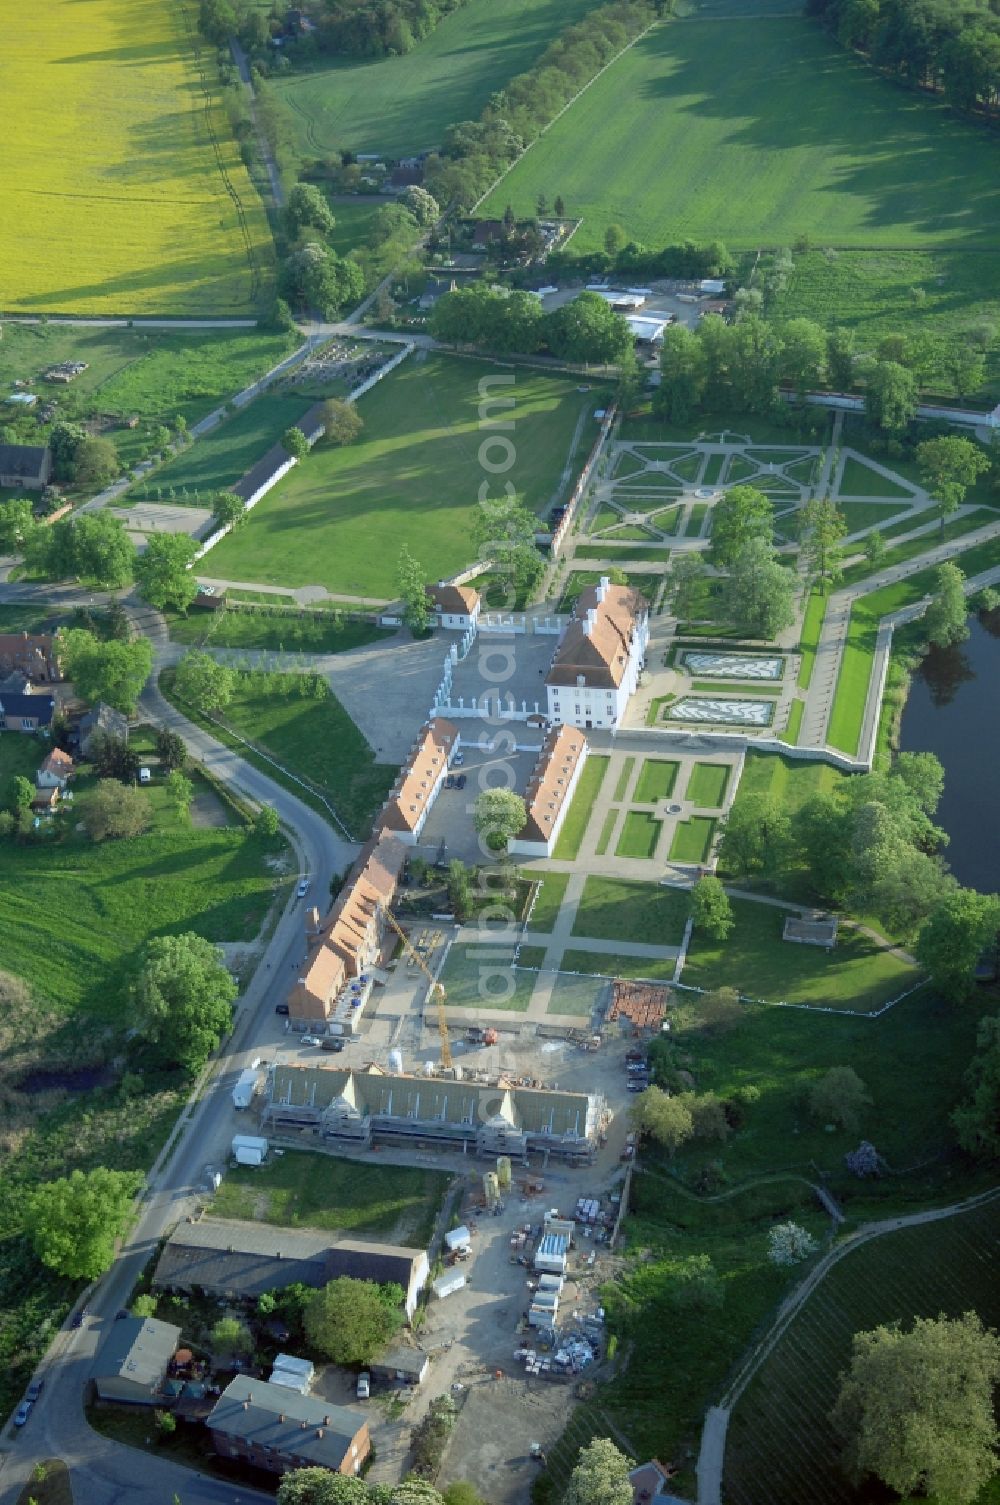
550	789
55	770
596	666
456	607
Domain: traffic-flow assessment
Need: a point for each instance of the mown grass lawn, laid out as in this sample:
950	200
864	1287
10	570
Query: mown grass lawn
708	784
912	548
656	781
301	1190
341	517
781	1424
301	631
847	713
812	626
857	974
570	838
147	207
859	479
612	909
549	901
217	460
313	738
858	515
755	169
613	964
692	839
401	105
476	977
639	835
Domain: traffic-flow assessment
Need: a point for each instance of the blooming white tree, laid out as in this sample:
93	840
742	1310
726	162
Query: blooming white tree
788	1244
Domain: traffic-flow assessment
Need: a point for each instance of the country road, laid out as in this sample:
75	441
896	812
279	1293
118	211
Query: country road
104	1472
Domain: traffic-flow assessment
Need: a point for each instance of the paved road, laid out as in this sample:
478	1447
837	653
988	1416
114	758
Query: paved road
105	1473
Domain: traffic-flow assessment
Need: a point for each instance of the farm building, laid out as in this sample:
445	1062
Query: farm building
25	465
596	666
362	1107
131	1364
420	781
647	329
272	1428
227	1257
550	789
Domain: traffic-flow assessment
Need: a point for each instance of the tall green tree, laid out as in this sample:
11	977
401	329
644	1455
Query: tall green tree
821	528
114	672
351	1320
601	1476
588	330
916	1407
890	397
759	594
756	836
75	1221
505	532
116	812
977	1120
318	1486
683	371
948	467
742	516
946	618
182	998
686	580
203	683
711	910
498	816
411	583
163	571
666	1119
295	443
342	423
17	519
953	937
228	509
306	206
839	1097
803	354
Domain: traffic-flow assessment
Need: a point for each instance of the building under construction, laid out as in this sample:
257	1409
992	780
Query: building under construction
498	1118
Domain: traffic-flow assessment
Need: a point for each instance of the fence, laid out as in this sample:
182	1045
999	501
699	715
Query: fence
583	481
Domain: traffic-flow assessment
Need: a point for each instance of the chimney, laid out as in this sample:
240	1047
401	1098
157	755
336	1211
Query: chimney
326	1421
281	1416
319	1431
602	589
590	622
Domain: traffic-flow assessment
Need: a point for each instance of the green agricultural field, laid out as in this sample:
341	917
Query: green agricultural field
301	1190
857	974
756	168
656	781
640	835
614	910
570	838
303	631
216	461
708	784
779	1430
405	104
315	740
413	477
477	977
692	839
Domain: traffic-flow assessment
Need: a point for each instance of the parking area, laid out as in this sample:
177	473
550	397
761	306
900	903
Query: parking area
486	764
512	667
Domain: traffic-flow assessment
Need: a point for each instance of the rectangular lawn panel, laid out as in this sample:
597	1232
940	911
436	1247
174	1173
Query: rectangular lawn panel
611	964
613	909
791	732
567	846
858	515
301	631
812	626
640	835
577	996
607	831
912	548
340	518
755	168
780	1427
125	192
549	901
857	974
859	479
708	784
692	839
482	977
395	1202
657	778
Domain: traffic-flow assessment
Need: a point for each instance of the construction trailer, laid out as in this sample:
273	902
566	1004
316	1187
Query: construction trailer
249	1149
458	1239
550	1257
447	1284
245	1087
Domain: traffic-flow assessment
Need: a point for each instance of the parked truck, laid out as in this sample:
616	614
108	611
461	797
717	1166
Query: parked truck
246	1086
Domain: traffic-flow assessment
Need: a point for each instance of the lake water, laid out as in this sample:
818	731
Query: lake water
954	711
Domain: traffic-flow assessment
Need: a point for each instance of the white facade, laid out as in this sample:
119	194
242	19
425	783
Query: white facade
545	848
585	706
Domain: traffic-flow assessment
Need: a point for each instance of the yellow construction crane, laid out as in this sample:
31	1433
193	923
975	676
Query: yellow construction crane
437	991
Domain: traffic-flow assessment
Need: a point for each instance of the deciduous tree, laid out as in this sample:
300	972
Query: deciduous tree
916	1407
231	1338
295	443
789	1244
666	1119
203	683
711	910
945	619
756	836
182	998
839	1097
890	397
743	516
601	1476
953	937
170	748
228	509
75	1221
498	816
342	423
116	812
949	466
411	583
114	672
759	593
351	1320
163	571
306	206
821	528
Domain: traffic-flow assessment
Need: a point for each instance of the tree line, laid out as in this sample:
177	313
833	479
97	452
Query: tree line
929	44
476	152
493	318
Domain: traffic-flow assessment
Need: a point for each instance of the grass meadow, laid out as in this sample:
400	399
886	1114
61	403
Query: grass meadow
700	131
405	104
145	207
413	477
614	910
217	460
780	1446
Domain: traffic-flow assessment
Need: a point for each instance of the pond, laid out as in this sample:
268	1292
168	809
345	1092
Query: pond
953	711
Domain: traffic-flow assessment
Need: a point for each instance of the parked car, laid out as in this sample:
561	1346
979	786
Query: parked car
78	1318
334	1042
122	1312
460	781
34	1390
459	759
302	888
281	1008
449	782
311	1040
22	1413
364	1385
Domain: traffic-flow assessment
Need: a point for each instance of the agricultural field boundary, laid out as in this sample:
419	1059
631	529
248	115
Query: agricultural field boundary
713	1438
568	105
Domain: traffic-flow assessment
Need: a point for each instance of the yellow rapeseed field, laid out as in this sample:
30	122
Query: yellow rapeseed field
122	190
